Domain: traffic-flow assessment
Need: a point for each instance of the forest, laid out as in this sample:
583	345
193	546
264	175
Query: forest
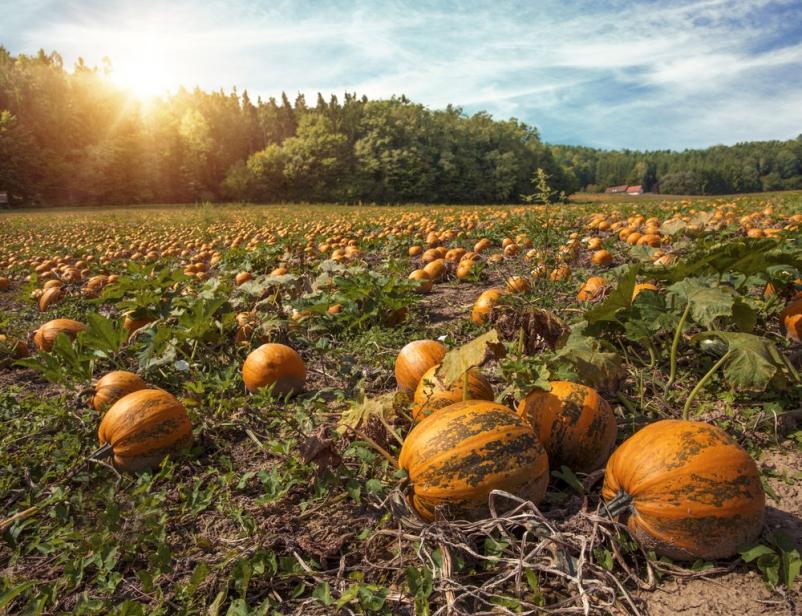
755	166
72	137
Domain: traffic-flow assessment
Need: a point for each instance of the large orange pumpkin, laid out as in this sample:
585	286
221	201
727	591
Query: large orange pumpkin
575	424
45	336
274	364
689	491
414	360
485	304
140	429
113	386
458	455
432	394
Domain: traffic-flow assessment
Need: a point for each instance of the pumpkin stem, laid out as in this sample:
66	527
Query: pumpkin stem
686	410
620	503
104	451
675	345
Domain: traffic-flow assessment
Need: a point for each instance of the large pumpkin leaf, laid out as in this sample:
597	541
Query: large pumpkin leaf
673	227
620	298
708	301
474	353
752	362
600	369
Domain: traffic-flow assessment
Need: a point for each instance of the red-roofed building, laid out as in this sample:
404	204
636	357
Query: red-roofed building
616	189
635	190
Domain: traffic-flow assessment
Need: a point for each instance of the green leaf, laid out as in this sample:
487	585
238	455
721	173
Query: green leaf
596	368
7	597
754	363
386	405
754	552
102	335
471	354
322	593
708	300
618	299
567	475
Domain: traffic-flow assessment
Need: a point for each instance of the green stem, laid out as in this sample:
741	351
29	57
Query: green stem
620	503
104	452
652	355
672	375
686	409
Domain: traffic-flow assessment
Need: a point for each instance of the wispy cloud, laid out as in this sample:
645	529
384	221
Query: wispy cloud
613	74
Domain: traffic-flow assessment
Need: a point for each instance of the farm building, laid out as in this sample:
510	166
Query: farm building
635	190
616	189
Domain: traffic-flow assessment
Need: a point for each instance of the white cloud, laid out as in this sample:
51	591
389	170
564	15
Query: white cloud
626	74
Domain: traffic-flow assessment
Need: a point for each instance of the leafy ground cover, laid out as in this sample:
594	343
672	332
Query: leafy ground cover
295	504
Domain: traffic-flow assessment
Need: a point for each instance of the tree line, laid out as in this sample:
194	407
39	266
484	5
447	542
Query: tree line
71	137
754	166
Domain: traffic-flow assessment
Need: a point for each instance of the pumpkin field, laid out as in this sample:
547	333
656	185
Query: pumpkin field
585	408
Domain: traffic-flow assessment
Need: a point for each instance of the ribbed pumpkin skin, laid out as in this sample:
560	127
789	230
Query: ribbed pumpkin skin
414	360
113	386
484	305
274	363
144	427
45	336
455	457
576	425
695	492
791	320
431	393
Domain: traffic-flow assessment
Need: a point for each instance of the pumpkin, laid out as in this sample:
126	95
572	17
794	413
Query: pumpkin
140	429
518	284
113	386
591	289
646	286
131	324
485	304
464	269
274	364
414	360
45	336
435	269
791	320
4	283
424	281
432	394
50	297
457	456
242	278
602	258
689	491
576	425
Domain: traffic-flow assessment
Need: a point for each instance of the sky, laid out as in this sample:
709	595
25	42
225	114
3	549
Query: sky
603	73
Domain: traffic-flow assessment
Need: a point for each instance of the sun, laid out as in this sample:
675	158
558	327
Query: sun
142	62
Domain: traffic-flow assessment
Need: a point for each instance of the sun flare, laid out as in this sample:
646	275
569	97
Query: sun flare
142	64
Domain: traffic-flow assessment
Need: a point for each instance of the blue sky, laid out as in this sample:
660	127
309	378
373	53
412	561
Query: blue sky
612	74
